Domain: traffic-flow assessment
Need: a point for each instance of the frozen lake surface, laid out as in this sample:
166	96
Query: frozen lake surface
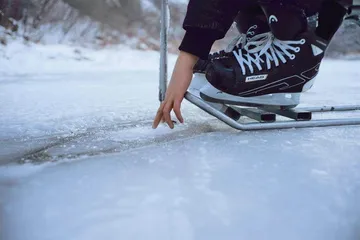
91	167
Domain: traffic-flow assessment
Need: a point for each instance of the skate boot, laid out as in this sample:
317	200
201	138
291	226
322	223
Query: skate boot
273	68
249	24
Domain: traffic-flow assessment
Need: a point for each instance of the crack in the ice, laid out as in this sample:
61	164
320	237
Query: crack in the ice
41	154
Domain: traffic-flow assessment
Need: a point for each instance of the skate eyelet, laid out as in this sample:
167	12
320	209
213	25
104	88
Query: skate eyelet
302	41
297	49
292	57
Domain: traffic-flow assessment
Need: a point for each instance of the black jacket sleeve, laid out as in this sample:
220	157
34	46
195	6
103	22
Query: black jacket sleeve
205	22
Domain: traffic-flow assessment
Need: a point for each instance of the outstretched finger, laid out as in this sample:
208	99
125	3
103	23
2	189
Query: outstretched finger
159	116
177	111
166	115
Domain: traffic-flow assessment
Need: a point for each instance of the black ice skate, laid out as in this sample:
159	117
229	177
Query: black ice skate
273	68
264	117
249	24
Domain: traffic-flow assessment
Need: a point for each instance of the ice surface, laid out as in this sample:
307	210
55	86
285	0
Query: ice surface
263	185
96	169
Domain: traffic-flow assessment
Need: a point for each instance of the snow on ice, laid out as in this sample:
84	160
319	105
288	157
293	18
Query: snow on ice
94	169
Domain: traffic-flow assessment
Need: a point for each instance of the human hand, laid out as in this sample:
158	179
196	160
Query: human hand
179	83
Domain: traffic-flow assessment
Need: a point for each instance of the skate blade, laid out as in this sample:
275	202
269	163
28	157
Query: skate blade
211	94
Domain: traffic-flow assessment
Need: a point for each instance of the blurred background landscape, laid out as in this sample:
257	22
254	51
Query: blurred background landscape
99	24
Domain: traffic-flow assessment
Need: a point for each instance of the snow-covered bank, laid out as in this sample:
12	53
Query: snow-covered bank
18	58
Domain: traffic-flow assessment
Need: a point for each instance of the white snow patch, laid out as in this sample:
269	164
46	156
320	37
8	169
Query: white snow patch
319	172
148	132
18	58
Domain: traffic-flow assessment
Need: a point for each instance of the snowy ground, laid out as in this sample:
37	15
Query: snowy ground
35	59
96	170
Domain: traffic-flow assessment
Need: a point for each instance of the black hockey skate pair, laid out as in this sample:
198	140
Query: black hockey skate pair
275	61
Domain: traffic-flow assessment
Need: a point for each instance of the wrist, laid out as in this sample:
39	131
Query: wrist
188	59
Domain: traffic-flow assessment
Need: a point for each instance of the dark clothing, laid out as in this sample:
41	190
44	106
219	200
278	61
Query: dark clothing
208	20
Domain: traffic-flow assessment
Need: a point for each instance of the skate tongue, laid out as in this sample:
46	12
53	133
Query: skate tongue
260	26
252	24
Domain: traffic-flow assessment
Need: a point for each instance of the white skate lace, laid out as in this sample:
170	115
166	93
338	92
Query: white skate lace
267	45
237	42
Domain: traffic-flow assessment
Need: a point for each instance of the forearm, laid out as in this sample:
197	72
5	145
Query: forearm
184	67
188	59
